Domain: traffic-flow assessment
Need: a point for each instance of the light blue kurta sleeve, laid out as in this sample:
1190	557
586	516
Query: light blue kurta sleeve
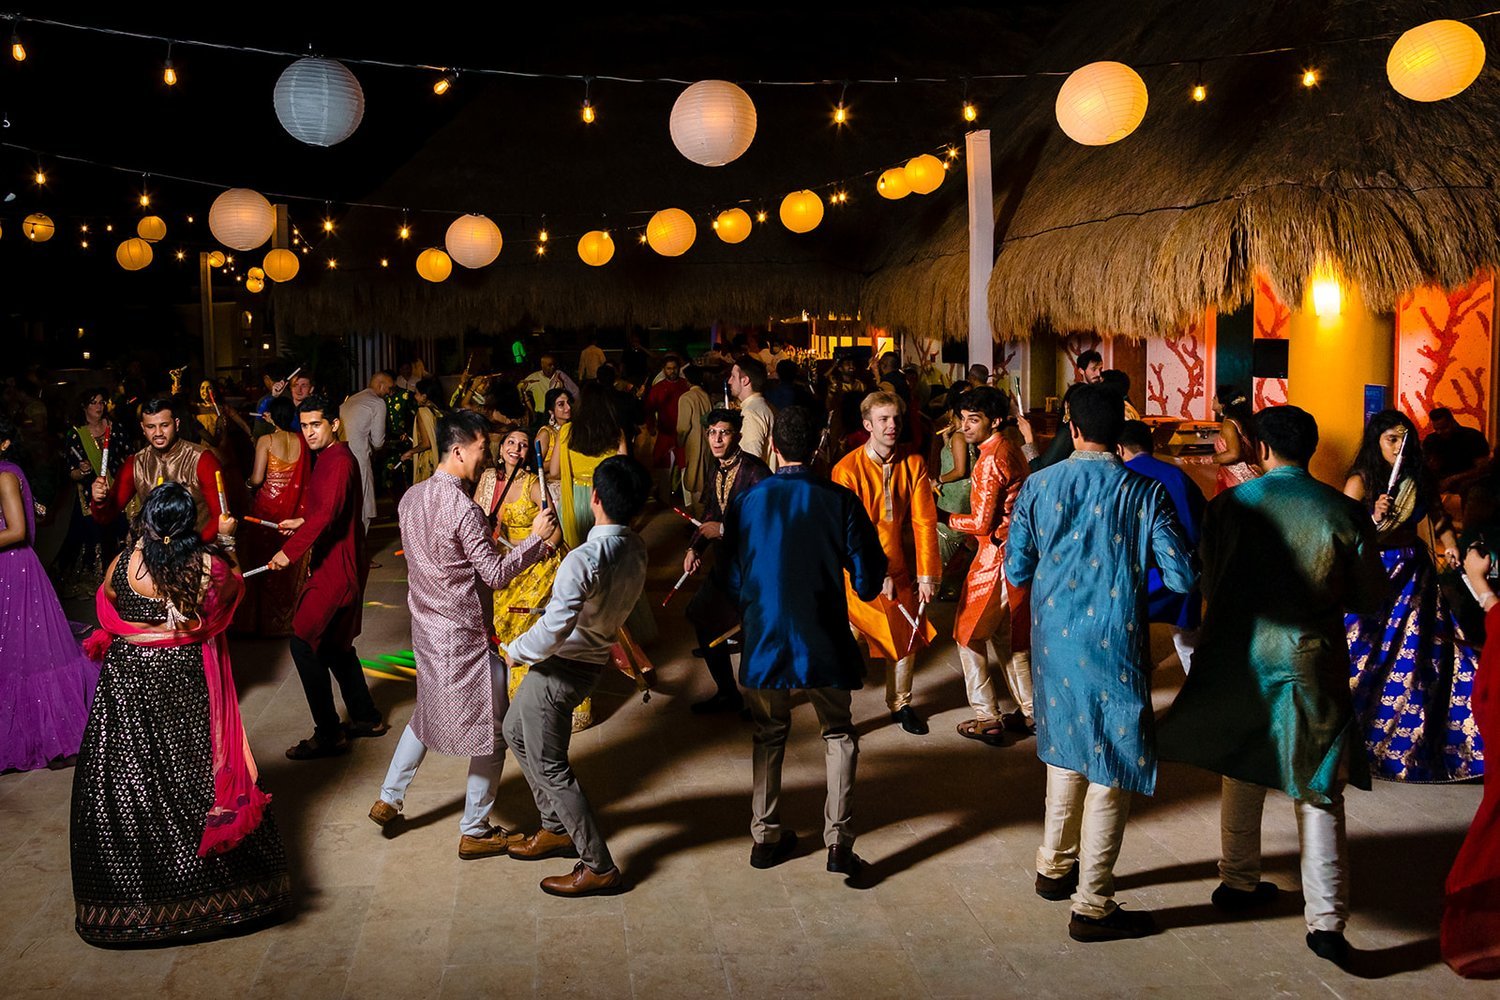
1169	544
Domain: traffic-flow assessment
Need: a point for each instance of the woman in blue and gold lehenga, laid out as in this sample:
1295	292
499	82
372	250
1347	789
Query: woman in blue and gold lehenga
1412	669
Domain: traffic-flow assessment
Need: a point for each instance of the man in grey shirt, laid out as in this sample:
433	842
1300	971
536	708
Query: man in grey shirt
597	585
364	416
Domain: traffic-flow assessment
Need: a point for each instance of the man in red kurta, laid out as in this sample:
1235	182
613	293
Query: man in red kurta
661	408
328	611
987	601
893	485
166	458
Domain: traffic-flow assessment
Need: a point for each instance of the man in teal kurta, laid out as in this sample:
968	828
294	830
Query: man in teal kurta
1268	704
1083	534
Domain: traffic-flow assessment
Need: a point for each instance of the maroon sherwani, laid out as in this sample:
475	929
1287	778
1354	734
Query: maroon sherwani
329	610
661	403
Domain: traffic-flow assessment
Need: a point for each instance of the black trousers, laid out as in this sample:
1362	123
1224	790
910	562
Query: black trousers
712	614
319	668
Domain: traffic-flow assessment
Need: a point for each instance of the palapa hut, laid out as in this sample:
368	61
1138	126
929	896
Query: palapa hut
1205	228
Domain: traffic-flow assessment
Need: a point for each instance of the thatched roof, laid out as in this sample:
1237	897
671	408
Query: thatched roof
1138	237
518	149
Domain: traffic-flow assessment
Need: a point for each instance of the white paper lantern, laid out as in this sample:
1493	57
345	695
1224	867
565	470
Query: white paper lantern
281	265
670	232
595	248
133	254
473	240
318	101
801	211
434	265
733	225
1435	61
241	219
713	122
1101	103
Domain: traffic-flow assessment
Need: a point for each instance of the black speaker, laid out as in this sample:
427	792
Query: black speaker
1268	358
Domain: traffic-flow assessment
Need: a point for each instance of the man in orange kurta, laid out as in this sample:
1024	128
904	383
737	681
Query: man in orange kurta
894	487
988	602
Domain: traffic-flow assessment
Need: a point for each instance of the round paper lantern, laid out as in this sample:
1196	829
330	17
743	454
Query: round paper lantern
281	265
671	231
801	211
216	258
241	219
733	225
37	227
434	265
1101	103
713	122
473	240
253	284
151	228
1435	61
319	101
893	184
133	254
595	248
257	273
924	173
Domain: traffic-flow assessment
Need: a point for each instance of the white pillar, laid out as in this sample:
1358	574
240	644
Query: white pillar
981	246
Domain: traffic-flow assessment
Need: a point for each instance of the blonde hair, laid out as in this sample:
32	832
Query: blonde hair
875	399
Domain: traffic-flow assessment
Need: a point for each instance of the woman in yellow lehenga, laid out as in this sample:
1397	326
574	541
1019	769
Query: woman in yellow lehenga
510	497
423	453
592	435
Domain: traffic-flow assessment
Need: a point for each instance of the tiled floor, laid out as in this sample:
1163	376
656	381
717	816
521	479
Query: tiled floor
951	826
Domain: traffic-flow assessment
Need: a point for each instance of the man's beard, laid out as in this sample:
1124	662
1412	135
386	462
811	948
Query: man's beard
164	447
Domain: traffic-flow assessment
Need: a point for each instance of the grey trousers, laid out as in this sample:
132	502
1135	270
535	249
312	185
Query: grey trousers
772	711
538	728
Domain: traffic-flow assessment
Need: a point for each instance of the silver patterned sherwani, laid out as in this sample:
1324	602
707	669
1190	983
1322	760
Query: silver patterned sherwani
448	551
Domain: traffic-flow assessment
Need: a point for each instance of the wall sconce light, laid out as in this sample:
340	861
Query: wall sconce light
1327	298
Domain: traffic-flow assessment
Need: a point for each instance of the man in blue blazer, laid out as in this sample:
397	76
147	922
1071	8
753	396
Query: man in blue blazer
788	542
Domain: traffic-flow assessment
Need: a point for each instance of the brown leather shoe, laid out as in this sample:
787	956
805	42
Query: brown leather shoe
497	842
584	881
544	844
382	812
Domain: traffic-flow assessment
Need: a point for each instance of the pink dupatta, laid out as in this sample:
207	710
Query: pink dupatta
239	804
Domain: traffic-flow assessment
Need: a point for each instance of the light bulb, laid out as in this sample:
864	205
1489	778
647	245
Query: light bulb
970	112
543	236
643	237
327	225
541	251
145	200
404	232
952	153
83	228
41	177
385	262
304	249
17	50
760	216
84	244
840	114
190	220
1309	78
109	227
181	255
169	75
443	85
332	264
1200	93
588	113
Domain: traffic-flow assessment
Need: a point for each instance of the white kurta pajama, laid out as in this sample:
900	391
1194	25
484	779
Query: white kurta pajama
363	417
460	682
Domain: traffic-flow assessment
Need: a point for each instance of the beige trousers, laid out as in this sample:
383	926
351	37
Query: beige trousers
771	709
1325	850
1085	823
898	683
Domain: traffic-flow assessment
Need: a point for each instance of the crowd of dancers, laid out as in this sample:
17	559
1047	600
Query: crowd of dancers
1321	632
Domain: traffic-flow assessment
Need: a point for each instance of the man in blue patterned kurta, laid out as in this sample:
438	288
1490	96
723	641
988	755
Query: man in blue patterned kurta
1083	535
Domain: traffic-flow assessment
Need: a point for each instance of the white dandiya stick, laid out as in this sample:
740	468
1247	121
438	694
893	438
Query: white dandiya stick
1390	487
905	614
916	627
675	588
223	500
251	572
726	637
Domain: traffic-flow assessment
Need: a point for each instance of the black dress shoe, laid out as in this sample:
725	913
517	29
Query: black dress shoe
1057	889
843	861
910	721
721	702
1234	900
1330	945
1118	926
773	854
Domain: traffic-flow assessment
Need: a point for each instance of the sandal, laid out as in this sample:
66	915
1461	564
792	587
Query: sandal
366	730
312	749
988	731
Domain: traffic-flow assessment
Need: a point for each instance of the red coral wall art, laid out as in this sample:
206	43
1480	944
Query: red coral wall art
1272	319
1444	351
1178	372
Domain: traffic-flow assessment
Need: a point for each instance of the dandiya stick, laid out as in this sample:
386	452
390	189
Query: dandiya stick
726	637
520	610
249	519
251	572
541	475
688	517
223	500
915	628
675	588
104	461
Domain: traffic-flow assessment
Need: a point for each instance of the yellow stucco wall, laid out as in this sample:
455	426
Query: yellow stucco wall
1330	361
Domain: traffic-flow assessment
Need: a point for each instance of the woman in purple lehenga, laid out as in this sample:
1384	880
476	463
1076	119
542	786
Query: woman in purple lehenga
46	681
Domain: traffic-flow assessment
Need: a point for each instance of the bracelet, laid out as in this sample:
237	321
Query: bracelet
227	541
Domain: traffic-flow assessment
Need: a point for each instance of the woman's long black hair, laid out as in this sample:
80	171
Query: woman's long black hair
1371	466
596	422
171	547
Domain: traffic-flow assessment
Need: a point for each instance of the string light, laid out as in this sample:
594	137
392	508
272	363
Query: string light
17	50
541	251
1309	78
760	216
83	228
1200	92
40	177
970	112
190	220
328	225
952	152
840	111
109	227
181	255
169	75
643	237
145	199
333	264
385	262
405	231
444	83
543	235
84	244
588	107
